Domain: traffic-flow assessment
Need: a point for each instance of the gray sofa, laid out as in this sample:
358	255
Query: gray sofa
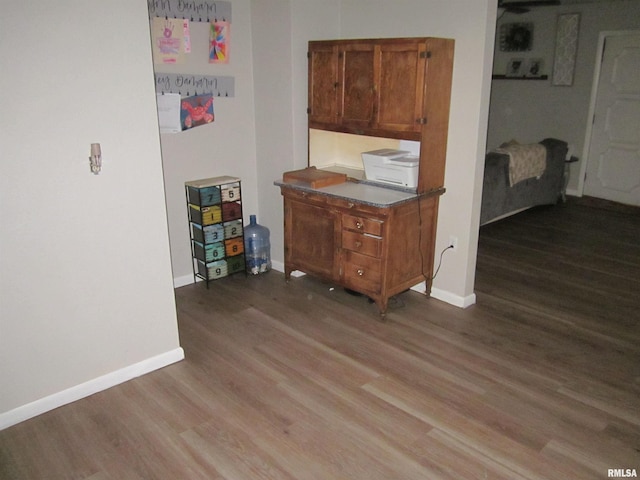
500	200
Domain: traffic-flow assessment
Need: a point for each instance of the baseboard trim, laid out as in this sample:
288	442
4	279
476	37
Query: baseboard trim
445	296
188	279
278	266
182	281
51	402
452	299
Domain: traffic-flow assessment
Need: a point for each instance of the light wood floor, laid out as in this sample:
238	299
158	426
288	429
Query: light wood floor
539	380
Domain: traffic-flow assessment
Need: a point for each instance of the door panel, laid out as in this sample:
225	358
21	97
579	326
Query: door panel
311	241
358	85
400	86
323	84
613	164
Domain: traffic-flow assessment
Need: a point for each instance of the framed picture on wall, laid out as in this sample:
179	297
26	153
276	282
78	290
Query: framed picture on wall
515	67
534	68
564	63
516	37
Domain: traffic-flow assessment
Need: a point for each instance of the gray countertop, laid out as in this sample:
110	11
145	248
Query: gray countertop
374	195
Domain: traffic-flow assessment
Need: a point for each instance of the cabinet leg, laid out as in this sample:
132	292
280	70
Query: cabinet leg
382	307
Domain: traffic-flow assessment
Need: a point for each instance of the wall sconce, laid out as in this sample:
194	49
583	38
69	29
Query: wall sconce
95	160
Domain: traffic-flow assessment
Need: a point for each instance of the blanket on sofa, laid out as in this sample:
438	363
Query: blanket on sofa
525	161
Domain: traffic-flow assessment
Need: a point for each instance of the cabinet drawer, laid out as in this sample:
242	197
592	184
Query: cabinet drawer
203	197
234	246
208	234
230	192
205	215
362	272
362	243
356	208
235	264
233	229
305	196
208	253
212	270
231	211
362	224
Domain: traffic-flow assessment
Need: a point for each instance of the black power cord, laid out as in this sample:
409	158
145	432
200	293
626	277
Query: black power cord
440	261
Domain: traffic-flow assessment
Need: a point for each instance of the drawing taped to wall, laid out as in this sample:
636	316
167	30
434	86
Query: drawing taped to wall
168	40
196	111
219	42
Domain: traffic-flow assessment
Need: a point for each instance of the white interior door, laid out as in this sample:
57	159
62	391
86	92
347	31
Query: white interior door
613	161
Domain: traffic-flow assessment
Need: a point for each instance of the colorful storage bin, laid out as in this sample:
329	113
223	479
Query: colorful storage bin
203	197
233	229
216	227
209	252
208	234
234	246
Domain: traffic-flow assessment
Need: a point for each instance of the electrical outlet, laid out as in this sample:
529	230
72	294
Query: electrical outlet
453	242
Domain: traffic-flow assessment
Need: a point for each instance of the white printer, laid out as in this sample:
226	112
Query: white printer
395	167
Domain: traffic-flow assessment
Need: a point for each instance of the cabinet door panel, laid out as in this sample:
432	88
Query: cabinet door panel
357	85
400	89
323	84
310	238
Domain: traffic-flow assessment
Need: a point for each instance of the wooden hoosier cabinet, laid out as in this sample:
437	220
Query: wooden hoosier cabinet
369	237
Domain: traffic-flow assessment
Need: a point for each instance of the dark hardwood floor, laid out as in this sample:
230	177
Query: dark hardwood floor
539	380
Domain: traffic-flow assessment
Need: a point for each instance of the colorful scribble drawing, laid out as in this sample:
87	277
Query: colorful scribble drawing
219	42
197	110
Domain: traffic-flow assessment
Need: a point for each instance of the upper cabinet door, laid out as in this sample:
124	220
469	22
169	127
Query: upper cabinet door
400	86
386	87
370	87
323	83
357	94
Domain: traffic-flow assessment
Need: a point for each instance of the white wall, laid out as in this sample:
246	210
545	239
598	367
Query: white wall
529	111
86	294
225	147
281	95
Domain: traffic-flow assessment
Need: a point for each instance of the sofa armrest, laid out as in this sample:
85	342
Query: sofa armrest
496	167
556	150
556	156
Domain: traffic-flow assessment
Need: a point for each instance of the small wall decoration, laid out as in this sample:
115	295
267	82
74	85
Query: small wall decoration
219	42
196	111
534	68
566	48
168	40
516	37
515	67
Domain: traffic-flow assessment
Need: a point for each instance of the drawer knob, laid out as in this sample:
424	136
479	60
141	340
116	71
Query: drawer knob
358	244
360	272
359	225
351	204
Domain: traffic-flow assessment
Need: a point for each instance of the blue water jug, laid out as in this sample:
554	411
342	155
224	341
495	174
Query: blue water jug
257	247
